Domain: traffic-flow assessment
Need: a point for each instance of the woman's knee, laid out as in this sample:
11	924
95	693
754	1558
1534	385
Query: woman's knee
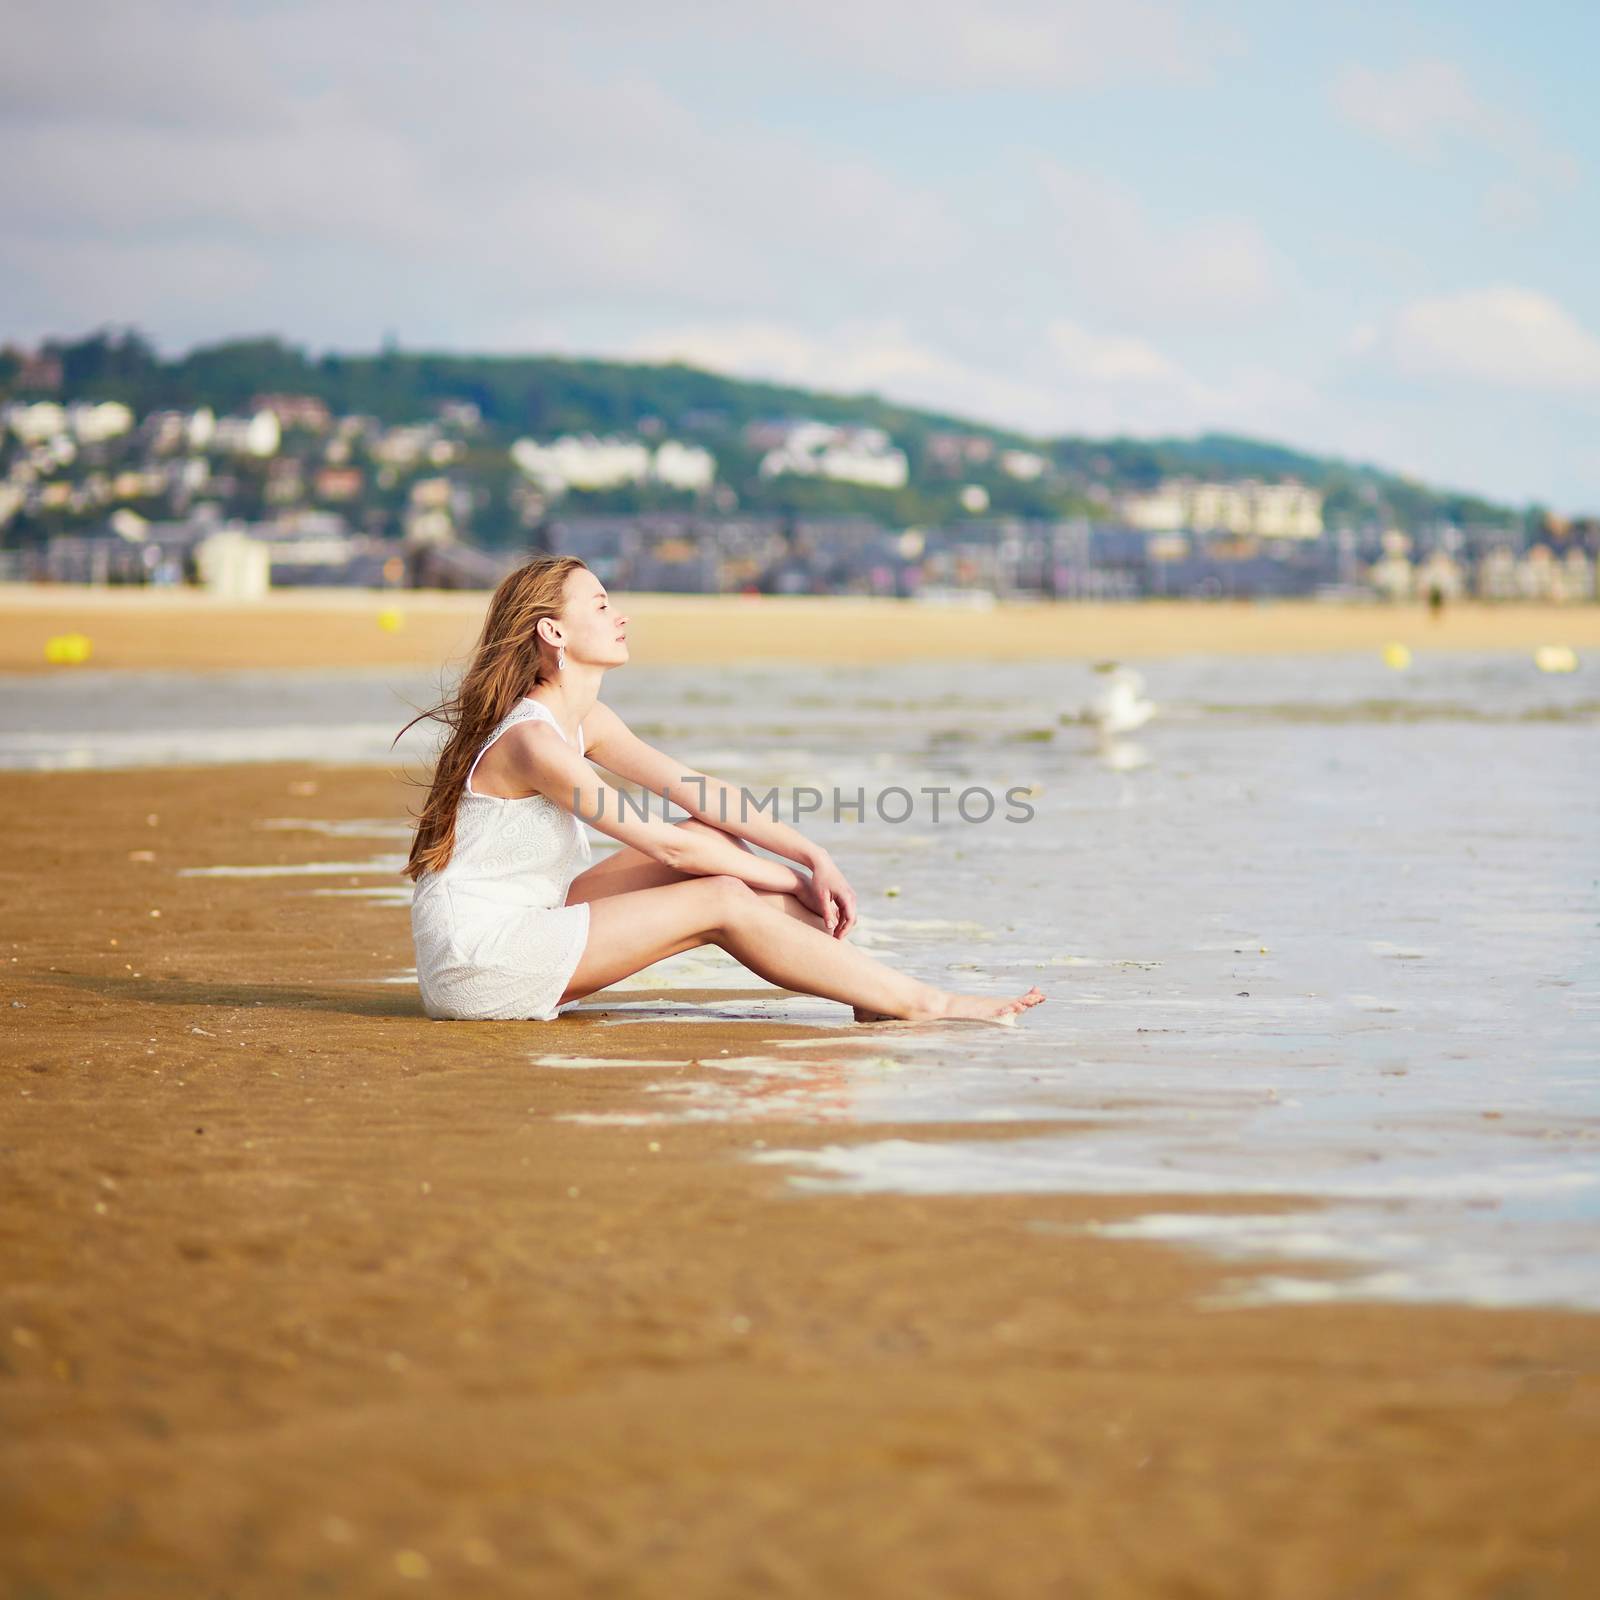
730	899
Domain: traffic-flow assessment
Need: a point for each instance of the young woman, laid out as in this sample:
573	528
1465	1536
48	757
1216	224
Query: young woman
509	918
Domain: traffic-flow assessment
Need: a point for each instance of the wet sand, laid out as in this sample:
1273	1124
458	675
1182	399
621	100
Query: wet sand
306	1294
167	630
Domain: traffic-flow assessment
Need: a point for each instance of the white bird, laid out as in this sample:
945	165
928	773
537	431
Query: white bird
1120	707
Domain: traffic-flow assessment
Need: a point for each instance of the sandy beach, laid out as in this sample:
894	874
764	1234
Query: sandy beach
177	630
304	1293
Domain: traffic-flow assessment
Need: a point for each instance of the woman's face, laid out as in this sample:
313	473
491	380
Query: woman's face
593	630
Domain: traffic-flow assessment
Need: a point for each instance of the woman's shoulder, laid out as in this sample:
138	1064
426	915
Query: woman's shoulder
525	720
528	721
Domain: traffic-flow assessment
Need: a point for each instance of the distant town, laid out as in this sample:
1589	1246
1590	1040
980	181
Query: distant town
282	487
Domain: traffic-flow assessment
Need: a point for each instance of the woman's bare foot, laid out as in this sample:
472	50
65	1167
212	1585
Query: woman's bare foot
985	1008
962	1008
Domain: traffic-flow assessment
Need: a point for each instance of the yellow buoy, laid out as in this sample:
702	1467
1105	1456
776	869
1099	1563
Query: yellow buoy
67	649
1556	658
391	620
1396	656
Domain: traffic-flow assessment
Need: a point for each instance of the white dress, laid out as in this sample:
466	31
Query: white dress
493	936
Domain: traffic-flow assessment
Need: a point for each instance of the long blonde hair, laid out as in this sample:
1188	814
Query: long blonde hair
504	666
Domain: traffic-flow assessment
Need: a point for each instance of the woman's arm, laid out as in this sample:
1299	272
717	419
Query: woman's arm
619	749
541	761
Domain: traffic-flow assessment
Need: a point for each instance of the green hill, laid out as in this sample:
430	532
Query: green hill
544	395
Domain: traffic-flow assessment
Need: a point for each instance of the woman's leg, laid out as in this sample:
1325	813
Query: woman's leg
811	961
626	870
630	931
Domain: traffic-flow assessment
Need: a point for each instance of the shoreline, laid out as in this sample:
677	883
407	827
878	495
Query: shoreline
305	1290
179	630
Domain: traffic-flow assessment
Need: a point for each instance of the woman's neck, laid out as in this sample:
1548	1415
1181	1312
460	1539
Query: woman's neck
573	697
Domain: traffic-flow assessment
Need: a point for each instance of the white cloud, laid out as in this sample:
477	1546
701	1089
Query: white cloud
186	63
182	65
1058	377
1428	110
1512	206
517	166
150	284
1361	339
1416	108
1037	44
1124	260
1500	335
1028	45
501	172
1110	358
855	357
559	187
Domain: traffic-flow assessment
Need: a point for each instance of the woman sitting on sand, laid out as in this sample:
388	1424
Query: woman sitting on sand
508	917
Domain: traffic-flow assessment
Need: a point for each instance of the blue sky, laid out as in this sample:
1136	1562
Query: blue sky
1364	231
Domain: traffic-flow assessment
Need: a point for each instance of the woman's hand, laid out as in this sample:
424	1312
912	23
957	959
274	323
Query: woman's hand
831	897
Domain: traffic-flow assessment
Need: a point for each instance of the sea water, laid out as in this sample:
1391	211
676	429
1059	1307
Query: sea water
1320	936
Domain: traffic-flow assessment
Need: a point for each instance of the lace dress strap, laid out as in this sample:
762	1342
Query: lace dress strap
522	711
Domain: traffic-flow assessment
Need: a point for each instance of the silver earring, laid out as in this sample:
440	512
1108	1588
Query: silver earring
561	659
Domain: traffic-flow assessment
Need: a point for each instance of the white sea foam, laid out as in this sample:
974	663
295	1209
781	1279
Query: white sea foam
387	865
1078	1165
869	1041
585	1063
382	895
117	748
347	828
1425	1231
